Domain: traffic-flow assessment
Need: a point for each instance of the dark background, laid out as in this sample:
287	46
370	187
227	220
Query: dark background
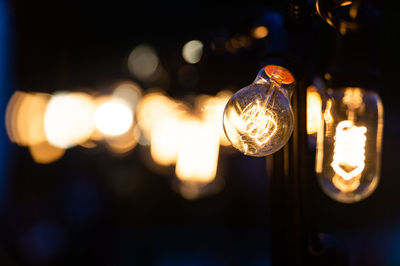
95	208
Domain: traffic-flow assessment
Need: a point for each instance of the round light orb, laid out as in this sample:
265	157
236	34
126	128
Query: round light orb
113	118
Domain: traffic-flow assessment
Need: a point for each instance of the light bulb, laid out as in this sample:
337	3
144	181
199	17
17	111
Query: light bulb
346	15
349	144
258	119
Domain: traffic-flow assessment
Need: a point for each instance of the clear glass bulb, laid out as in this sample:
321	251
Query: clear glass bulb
349	144
258	119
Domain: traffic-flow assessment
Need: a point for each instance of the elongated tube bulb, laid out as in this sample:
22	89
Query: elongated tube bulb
258	119
349	144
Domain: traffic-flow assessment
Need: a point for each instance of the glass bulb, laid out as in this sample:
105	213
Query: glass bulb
349	144
346	15
258	119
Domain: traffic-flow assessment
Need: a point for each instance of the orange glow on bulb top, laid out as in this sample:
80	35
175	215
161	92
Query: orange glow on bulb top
284	74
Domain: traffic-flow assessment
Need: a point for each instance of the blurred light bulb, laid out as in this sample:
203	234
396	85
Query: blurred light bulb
260	32
349	144
197	158
113	118
68	119
314	109
346	15
192	51
258	119
143	62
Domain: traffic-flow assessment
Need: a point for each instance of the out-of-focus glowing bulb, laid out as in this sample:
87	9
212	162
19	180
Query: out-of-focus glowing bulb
198	153
348	158
69	119
143	62
45	153
314	109
124	143
113	118
165	138
260	32
258	119
24	118
152	108
212	111
192	51
129	92
160	119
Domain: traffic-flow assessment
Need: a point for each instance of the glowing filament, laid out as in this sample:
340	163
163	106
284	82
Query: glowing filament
349	153
259	123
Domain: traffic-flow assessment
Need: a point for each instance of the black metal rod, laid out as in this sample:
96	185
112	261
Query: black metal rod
293	231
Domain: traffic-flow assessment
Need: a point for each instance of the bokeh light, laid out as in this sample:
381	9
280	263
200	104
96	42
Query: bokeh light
181	134
69	119
186	135
198	153
314	110
192	51
113	117
45	153
153	107
143	62
25	125
129	92
25	116
212	109
124	143
260	32
160	118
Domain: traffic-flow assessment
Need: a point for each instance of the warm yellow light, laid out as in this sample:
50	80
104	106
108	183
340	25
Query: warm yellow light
192	51
212	111
166	136
191	141
124	143
260	32
349	153
258	119
258	122
159	118
198	153
69	119
353	99
152	108
349	144
346	3
129	92
45	153
327	76
25	125
113	118
24	118
327	114
314	110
